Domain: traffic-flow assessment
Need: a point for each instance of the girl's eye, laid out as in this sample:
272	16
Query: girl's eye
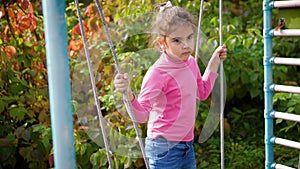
176	40
190	37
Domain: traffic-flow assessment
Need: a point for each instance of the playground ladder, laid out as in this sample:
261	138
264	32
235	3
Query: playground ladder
270	87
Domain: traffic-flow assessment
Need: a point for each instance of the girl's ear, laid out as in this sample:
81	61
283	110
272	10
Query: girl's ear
161	43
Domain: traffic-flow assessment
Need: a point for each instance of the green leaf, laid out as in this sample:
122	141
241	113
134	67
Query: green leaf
234	76
297	109
2	106
244	77
254	92
25	152
99	158
26	135
36	48
254	76
17	113
82	149
278	121
290	109
29	44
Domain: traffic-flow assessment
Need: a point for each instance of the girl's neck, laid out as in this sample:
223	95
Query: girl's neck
172	57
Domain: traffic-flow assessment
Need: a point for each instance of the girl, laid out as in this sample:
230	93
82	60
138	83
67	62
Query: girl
170	89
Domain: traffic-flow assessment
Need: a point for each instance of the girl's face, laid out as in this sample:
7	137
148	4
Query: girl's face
179	45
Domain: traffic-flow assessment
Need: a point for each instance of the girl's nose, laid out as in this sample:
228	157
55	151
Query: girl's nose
185	45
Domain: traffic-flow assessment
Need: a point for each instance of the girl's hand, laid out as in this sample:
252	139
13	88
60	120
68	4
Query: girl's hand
220	52
122	84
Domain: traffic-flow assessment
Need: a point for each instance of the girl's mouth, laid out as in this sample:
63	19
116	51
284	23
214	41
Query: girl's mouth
186	53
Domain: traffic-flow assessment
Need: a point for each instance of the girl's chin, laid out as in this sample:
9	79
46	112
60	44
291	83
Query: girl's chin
184	57
181	57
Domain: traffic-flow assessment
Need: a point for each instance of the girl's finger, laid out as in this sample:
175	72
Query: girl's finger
118	76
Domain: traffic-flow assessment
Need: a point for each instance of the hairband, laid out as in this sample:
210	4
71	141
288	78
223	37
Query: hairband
165	6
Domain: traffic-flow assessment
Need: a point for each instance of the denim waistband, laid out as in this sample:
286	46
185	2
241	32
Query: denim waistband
174	142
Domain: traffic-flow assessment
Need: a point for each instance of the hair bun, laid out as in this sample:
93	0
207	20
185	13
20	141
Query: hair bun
165	5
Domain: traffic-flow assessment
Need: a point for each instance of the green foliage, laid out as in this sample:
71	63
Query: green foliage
25	136
291	17
238	153
289	103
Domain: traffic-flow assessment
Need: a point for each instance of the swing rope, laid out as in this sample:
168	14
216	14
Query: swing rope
221	71
100	116
127	100
199	30
221	86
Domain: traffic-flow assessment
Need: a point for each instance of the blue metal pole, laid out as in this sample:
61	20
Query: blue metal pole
268	81
59	83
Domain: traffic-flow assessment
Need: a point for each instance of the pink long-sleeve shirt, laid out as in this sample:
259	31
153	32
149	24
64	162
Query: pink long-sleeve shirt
168	98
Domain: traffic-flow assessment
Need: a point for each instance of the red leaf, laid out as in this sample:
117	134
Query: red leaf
74	46
76	29
90	10
51	160
107	19
25	4
10	51
11	14
33	22
24	23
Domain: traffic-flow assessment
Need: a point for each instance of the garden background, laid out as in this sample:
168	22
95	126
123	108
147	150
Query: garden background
25	126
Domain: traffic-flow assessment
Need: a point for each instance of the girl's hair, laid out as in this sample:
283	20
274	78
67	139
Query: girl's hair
169	17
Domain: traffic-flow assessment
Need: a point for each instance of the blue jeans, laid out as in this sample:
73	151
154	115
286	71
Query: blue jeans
164	154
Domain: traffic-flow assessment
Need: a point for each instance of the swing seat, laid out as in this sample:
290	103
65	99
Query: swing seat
292	17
